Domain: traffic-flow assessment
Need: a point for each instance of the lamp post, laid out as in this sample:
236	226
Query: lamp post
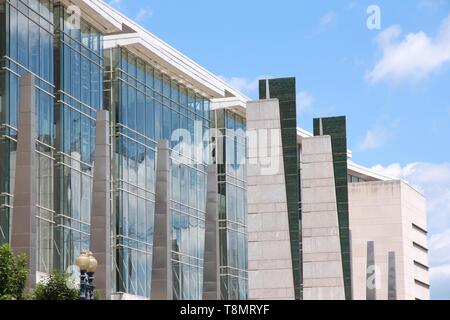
88	265
90	272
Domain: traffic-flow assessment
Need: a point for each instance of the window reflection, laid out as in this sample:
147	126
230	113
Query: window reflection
149	107
232	206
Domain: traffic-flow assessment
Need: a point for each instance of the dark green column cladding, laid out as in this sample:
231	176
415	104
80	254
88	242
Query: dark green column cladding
336	128
284	90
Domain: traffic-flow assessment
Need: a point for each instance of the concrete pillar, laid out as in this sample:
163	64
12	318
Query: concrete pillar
101	206
371	281
162	265
323	277
392	285
269	247
23	235
211	268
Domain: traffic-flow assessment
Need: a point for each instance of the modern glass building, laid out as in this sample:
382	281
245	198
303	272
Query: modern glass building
78	97
26	45
142	156
148	106
232	178
87	57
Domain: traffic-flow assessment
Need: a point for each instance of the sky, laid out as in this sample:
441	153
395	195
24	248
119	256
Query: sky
391	82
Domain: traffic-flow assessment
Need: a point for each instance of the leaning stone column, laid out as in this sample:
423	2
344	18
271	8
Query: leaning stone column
323	277
211	273
23	235
371	280
101	206
162	265
392	286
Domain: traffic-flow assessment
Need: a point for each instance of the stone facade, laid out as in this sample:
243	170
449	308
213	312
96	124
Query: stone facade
101	206
270	260
23	235
322	262
393	215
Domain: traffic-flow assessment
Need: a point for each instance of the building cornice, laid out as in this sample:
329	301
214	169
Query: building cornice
100	15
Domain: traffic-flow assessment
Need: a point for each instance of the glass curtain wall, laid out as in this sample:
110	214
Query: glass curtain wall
148	106
232	205
79	95
27	46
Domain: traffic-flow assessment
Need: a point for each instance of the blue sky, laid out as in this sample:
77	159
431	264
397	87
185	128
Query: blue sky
392	83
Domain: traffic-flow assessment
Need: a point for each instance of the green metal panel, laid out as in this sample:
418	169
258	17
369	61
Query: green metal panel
336	128
285	91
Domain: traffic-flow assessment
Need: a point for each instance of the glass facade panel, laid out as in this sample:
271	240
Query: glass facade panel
147	107
27	35
75	78
79	74
232	205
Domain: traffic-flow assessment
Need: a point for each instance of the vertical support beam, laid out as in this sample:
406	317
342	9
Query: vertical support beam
323	277
211	273
23	236
270	264
336	128
392	278
351	263
162	265
284	89
101	206
371	280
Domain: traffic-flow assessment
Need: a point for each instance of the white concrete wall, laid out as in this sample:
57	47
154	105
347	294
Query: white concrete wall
414	212
384	212
270	263
323	277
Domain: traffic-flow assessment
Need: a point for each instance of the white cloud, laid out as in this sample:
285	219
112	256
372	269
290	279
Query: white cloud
115	3
142	14
325	22
245	85
328	19
414	57
440	248
305	102
374	139
432	5
440	273
440	278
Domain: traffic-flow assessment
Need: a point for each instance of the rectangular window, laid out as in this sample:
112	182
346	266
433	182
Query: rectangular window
131	113
193	188
184	184
23	40
149	118
140	113
158	120
34	47
166	124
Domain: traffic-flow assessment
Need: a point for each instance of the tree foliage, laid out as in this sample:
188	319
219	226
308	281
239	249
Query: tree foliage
57	286
13	274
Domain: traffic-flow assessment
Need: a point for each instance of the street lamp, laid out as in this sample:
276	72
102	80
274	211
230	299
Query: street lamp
88	265
90	272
